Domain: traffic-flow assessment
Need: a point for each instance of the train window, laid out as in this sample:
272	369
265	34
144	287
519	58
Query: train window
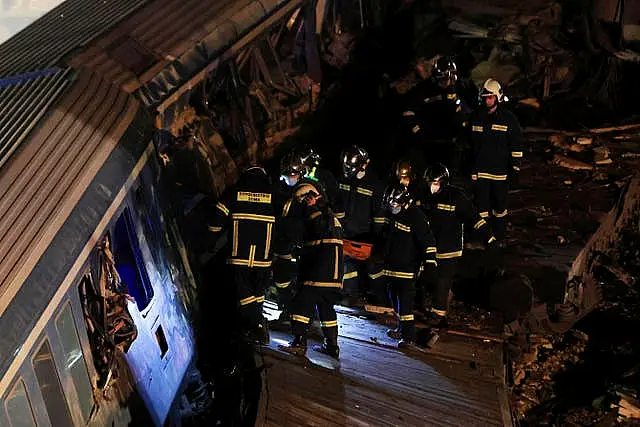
129	263
50	387
74	361
19	408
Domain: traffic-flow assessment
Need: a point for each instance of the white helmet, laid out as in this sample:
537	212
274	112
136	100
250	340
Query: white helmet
492	87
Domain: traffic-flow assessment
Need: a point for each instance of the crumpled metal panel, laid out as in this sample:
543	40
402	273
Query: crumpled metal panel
210	48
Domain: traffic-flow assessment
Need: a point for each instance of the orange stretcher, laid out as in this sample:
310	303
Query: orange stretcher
357	250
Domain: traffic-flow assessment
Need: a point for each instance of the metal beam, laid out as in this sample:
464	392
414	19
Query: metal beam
231	52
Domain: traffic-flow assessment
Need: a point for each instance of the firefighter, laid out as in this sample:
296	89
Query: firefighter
448	210
409	243
361	196
436	115
496	140
248	210
320	273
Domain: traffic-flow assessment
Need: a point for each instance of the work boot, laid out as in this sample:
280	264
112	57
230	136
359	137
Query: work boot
394	333
437	322
263	332
297	347
328	349
406	344
330	345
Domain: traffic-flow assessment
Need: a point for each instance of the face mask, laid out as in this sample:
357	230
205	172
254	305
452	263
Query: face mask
396	210
290	180
435	187
360	175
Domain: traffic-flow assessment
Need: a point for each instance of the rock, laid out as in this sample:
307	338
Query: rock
564	142
584	140
602	155
569	163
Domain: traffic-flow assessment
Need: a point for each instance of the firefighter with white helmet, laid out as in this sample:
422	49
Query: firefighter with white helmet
496	140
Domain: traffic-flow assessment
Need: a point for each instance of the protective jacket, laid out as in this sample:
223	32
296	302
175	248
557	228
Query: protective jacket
448	211
362	202
409	243
248	210
496	139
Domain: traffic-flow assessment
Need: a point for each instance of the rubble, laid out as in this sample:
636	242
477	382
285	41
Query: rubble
568	162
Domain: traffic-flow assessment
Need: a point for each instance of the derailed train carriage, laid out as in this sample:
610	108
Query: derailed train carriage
95	284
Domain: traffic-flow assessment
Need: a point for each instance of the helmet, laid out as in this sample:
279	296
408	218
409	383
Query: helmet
255	168
445	68
292	164
437	173
492	87
397	197
308	156
404	170
354	159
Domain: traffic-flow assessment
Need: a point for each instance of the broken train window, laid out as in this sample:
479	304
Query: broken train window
110	327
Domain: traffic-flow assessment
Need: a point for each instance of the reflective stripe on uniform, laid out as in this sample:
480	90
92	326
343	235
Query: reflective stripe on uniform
253	217
443	207
491	239
500	128
477	128
402	227
323	284
329	324
485	175
222	208
398	274
215	229
324	242
345	187
484	214
447	255
282	285
268	243
300	318
340	215
431	250
439	312
364	191
377	275
260	300
351	275
379	220
479	224
406	318
248	263
248	300
516	154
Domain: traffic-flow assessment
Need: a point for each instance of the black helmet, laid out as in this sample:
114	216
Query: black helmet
354	159
397	197
437	173
404	169
308	156
445	68
292	164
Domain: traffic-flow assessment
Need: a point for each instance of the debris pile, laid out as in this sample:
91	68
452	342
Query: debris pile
534	372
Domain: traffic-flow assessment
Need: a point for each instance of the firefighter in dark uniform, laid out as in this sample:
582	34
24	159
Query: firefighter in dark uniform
320	273
361	196
409	244
436	115
248	211
496	139
448	210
